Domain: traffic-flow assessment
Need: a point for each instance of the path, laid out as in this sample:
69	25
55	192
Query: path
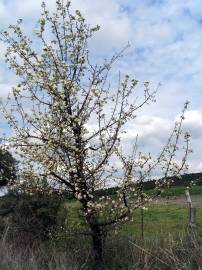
196	200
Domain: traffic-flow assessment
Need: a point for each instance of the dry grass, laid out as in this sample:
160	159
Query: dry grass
160	253
19	254
120	253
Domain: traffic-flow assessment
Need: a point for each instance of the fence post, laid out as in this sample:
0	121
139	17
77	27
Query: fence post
192	211
142	223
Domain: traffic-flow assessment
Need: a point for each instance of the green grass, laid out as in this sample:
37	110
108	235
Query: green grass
162	221
164	225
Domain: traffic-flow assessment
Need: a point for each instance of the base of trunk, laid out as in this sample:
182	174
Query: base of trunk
97	247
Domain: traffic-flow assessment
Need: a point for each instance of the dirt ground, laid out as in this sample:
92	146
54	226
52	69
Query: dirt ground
196	200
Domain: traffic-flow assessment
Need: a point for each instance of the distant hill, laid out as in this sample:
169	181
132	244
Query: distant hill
148	185
185	180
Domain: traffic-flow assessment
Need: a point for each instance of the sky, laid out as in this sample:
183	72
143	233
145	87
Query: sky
165	39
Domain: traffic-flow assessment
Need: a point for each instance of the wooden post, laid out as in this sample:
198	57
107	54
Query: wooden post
142	211
142	223
192	211
192	217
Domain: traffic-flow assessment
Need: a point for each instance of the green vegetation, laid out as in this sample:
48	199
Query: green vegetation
186	180
165	231
177	191
160	220
8	167
164	217
30	216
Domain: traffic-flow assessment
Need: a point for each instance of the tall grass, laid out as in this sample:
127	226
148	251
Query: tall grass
167	244
25	252
160	253
37	257
121	253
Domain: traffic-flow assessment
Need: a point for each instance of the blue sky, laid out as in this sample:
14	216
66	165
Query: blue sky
166	47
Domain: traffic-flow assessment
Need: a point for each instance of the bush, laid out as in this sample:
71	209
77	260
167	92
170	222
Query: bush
31	216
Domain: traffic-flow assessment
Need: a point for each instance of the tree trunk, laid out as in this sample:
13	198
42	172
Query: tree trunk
97	247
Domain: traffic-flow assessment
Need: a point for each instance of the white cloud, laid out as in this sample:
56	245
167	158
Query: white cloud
193	123
115	29
5	90
148	127
198	167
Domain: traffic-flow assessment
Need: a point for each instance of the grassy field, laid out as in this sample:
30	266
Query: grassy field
166	244
162	219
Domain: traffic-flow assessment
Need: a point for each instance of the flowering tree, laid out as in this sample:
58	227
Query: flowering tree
68	122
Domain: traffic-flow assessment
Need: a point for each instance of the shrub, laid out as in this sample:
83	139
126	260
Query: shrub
31	216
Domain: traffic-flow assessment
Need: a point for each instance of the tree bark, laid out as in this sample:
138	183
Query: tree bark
97	239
